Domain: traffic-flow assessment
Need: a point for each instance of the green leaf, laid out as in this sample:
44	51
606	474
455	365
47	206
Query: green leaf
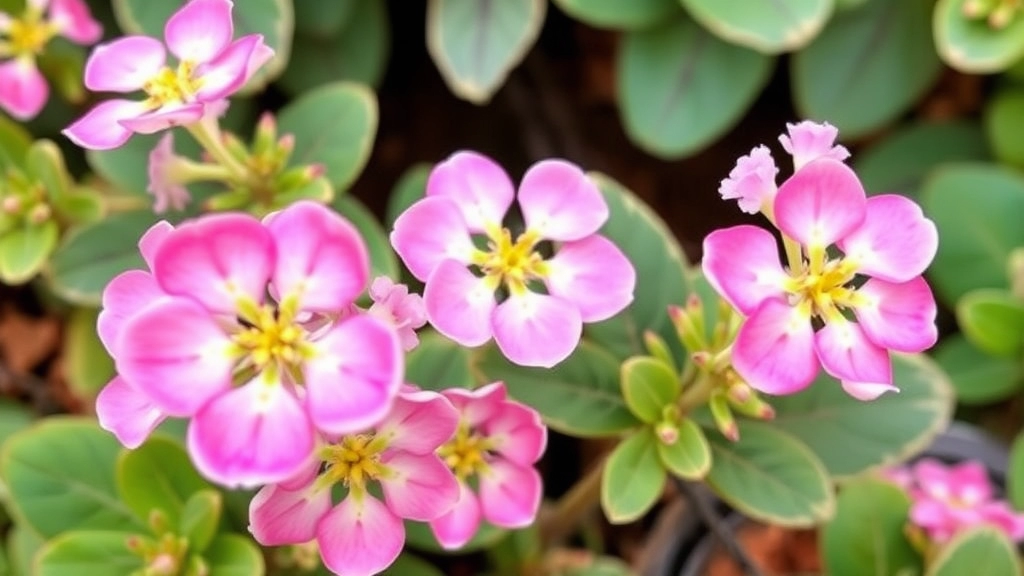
438	363
418	535
770	27
24	250
411	186
127	166
81	206
1004	126
689	457
200	518
619	15
60	474
633	478
409	565
977	209
977	377
157	476
979	550
648	386
14	417
91	256
14	142
993	320
972	45
22	545
476	44
868	66
866	537
580	396
45	163
234	555
661	273
334	126
680	87
317	18
382	257
770	476
87	366
1015	473
87	553
850	436
274	19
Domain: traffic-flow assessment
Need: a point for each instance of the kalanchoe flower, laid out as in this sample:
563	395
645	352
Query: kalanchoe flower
23	89
884	243
199	338
167	188
394	303
360	535
809	141
474	294
210	67
497	443
752	181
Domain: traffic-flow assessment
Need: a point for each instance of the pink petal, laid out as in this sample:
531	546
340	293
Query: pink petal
251	435
459	305
898	316
418	487
228	72
517	433
419	422
970	483
125	64
393	303
933	478
454	529
477	406
428	232
100	128
127	413
259	56
217	260
932	515
164	183
866	391
809	140
23	89
510	494
820	203
847	354
593	274
200	30
327	265
352	380
559	202
895	242
153	239
125	295
742	264
774	349
752	181
279	517
360	536
537	330
75	22
176	353
477	185
168	116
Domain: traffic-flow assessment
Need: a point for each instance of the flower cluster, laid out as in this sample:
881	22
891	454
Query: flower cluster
852	291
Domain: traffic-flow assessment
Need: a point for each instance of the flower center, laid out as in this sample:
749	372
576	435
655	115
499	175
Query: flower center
272	338
513	264
466	452
354	460
172	86
824	284
29	35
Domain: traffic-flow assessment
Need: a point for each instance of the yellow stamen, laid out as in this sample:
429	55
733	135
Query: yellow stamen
513	264
466	452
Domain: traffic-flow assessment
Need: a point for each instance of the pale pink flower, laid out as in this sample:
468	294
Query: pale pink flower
23	89
473	294
361	535
497	443
394	303
210	67
200	338
809	141
883	245
167	189
752	181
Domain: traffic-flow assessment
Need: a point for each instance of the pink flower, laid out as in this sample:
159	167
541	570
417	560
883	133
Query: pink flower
809	141
473	294
752	181
210	67
360	535
23	89
497	443
199	338
393	303
883	245
167	189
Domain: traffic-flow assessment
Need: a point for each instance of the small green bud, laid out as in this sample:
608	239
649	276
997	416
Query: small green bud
40	213
722	415
657	347
667	433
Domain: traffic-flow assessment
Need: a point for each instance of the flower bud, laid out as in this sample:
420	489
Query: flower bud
687	333
11	204
722	415
657	347
667	433
40	213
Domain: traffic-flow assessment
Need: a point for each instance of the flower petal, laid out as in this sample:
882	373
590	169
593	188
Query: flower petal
127	413
74	21
594	275
163	118
536	329
23	89
278	517
895	242
742	264
560	202
200	30
517	433
419	422
478	405
898	316
846	353
774	349
418	486
100	128
809	140
752	181
125	295
360	536
153	239
327	265
510	494
454	529
175	353
821	203
216	260
475	184
124	65
459	305
352	381
228	72
428	232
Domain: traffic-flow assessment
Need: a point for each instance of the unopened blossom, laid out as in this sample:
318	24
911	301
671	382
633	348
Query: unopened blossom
361	535
166	187
210	66
807	141
394	303
23	89
240	327
530	291
799	317
752	181
495	448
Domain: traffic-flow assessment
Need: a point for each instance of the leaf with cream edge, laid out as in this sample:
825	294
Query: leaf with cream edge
87	553
234	555
977	377
1004	126
978	550
633	478
993	320
689	457
769	27
971	45
648	386
619	15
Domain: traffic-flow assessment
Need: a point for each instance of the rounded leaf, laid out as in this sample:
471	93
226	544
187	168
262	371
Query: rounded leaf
1004	126
633	478
980	550
619	15
24	250
770	27
157	476
977	377
993	320
234	555
972	45
689	457
87	553
649	385
438	363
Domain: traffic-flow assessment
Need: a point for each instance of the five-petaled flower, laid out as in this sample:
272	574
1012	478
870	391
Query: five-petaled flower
210	67
532	304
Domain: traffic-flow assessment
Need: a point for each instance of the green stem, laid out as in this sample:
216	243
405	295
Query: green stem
698	394
570	510
207	133
127	203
